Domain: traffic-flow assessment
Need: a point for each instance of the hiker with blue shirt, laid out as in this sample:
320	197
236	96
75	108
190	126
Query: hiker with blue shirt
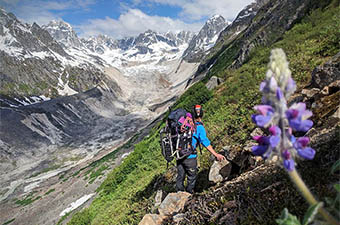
188	166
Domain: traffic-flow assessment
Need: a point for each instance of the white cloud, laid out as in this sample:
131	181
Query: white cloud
39	11
198	9
133	22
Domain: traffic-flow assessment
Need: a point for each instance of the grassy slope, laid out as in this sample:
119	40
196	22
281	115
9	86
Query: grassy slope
126	195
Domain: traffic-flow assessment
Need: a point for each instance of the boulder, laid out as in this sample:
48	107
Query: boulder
238	158
219	171
213	82
152	219
173	203
327	73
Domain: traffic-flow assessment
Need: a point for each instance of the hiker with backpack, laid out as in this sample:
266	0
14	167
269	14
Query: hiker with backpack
188	165
183	133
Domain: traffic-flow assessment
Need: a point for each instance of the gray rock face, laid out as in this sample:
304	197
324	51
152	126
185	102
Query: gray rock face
205	39
274	18
24	37
260	23
241	22
33	63
180	37
63	33
99	43
326	74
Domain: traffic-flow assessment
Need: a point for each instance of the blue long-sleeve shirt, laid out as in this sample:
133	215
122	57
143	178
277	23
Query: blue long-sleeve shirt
201	135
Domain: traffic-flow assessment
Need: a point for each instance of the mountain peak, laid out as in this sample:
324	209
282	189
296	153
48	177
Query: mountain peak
63	33
59	24
215	19
205	39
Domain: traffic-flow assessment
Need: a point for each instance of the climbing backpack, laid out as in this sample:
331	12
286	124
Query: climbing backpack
176	136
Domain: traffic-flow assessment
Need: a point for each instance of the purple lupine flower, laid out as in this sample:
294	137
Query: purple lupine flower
290	87
266	114
288	162
267	143
268	85
301	147
279	94
297	116
274	140
273	113
263	146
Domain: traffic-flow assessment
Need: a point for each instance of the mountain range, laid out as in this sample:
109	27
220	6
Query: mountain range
46	60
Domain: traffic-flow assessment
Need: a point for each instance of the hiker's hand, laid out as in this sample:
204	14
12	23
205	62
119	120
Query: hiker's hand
220	157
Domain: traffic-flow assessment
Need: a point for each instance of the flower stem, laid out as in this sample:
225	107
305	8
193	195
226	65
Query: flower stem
309	197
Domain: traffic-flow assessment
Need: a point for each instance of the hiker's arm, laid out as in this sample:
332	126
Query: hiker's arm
212	151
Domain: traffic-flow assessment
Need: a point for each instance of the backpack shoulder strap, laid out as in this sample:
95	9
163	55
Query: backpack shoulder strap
198	143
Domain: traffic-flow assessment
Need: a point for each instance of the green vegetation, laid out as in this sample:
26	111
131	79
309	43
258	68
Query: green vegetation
49	191
27	200
7	87
126	195
196	94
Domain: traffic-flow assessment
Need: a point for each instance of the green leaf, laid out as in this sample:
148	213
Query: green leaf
311	212
335	167
337	187
287	219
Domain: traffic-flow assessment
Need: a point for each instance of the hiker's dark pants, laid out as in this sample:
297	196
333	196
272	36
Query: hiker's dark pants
186	167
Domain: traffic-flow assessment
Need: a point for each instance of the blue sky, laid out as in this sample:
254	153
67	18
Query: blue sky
124	18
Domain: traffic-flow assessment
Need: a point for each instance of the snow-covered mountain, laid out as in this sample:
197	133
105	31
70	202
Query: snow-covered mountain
203	41
63	33
32	63
60	55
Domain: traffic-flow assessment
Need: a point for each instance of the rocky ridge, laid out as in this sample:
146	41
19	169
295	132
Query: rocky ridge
202	42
